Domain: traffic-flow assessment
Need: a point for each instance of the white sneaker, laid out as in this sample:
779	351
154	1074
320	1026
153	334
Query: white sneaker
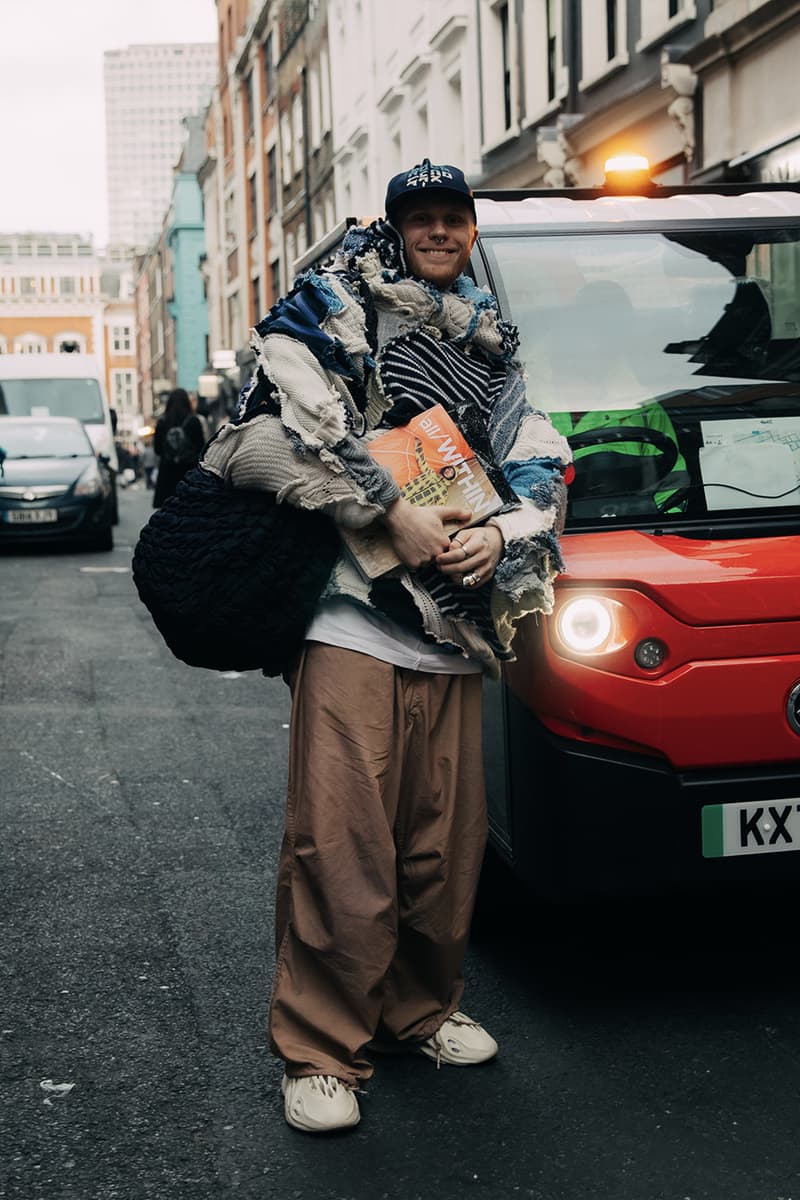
319	1103
459	1042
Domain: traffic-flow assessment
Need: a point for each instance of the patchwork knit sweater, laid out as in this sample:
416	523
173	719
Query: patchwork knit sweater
343	354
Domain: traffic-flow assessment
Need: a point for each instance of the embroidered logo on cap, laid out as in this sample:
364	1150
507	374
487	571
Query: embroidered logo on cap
427	175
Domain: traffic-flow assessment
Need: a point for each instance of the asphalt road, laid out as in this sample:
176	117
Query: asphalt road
648	1052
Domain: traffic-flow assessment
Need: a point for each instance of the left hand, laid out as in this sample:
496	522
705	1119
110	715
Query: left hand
473	556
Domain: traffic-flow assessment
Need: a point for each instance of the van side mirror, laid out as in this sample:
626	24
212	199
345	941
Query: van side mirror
112	412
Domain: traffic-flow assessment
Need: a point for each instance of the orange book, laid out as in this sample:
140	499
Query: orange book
432	463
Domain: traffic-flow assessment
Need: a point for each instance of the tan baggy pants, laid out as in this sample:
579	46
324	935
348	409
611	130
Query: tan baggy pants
385	834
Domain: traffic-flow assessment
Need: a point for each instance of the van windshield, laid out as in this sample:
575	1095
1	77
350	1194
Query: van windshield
671	361
78	398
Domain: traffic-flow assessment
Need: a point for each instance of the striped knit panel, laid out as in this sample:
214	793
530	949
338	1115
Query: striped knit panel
418	371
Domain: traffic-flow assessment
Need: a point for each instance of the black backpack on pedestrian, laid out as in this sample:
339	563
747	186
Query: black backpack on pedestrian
230	577
178	447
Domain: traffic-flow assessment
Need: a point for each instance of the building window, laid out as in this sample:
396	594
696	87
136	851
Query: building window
661	16
30	343
325	89
272	180
314	115
297	133
227	141
603	39
121	339
275	280
252	200
70	343
269	67
3	345
230	219
234	313
286	150
233	265
500	92
456	106
291	255
66	285
255	298
317	223
506	54
421	122
545	78
247	100
611	29
123	391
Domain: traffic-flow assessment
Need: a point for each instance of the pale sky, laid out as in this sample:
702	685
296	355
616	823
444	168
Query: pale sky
52	148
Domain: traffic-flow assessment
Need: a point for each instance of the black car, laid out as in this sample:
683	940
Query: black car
53	486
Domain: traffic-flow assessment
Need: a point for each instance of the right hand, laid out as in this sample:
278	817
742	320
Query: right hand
418	531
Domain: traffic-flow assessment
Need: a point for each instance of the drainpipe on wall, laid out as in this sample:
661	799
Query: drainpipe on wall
480	75
306	155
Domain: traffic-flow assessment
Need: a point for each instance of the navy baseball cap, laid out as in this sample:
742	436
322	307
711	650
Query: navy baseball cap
425	176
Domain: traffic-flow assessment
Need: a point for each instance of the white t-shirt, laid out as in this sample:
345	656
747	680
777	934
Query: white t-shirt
353	627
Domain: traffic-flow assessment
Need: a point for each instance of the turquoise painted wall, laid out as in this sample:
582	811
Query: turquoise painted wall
186	239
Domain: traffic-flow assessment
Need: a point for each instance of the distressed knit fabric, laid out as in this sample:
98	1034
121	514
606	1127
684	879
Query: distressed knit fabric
362	345
418	371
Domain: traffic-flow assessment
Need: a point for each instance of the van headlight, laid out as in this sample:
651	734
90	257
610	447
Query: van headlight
89	483
585	625
592	625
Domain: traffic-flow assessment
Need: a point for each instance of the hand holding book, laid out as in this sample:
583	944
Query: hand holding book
419	534
472	556
438	472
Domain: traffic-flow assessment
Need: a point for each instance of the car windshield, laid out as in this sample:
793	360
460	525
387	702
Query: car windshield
78	398
671	361
41	440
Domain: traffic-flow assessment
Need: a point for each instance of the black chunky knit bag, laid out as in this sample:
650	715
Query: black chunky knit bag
230	577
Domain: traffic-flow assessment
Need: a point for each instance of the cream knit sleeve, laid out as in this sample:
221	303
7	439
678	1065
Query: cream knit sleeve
259	455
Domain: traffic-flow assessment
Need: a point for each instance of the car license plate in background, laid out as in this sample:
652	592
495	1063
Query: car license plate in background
750	828
31	516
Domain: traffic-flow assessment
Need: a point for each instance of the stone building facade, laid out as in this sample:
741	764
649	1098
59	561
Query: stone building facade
319	102
57	293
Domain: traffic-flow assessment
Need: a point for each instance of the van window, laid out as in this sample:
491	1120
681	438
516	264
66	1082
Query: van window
620	319
78	398
671	361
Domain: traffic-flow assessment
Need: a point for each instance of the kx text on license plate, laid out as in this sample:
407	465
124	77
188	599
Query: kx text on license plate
31	516
751	828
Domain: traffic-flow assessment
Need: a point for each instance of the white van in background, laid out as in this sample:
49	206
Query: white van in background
61	385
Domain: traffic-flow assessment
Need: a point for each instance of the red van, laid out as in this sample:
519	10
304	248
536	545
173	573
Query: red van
648	733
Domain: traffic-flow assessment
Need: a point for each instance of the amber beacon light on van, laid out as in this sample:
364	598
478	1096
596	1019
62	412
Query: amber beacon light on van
628	174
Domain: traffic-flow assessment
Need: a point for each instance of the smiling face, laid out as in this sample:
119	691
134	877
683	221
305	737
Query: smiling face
439	232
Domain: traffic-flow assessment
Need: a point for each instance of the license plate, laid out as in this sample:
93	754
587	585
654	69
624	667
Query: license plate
31	516
750	828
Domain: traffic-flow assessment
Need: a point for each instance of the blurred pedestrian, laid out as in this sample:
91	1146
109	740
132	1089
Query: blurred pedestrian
149	464
177	442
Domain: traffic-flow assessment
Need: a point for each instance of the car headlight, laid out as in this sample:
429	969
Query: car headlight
89	483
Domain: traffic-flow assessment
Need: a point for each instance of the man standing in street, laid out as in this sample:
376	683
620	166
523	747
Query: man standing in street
386	815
